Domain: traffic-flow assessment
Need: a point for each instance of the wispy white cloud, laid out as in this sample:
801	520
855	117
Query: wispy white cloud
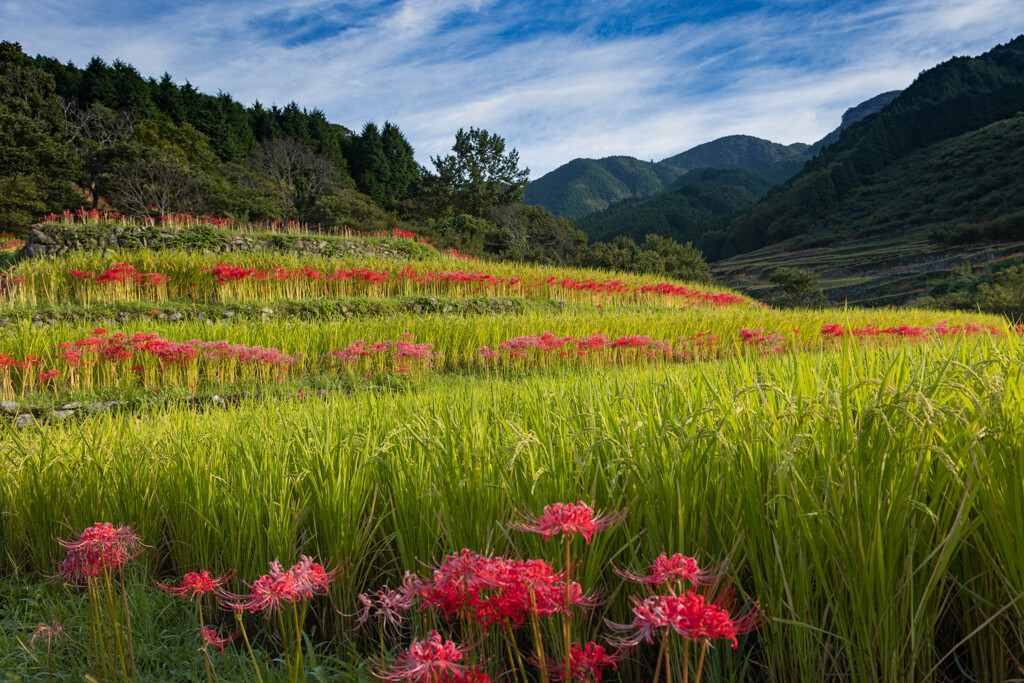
605	77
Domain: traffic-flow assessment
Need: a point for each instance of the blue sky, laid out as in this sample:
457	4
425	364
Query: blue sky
557	80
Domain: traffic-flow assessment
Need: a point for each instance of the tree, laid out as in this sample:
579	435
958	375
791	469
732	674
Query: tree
796	288
403	171
162	184
532	233
680	261
100	134
478	176
302	173
36	164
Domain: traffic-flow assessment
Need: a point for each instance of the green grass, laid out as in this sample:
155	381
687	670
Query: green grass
868	493
871	499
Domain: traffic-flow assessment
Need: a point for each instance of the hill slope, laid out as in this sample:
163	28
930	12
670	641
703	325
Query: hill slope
696	203
700	202
868	182
585	186
907	226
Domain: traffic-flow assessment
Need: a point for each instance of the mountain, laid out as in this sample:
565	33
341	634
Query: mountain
736	151
852	116
895	170
700	201
585	186
694	204
954	205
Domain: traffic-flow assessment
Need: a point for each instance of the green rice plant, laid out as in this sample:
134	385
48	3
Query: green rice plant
846	490
90	277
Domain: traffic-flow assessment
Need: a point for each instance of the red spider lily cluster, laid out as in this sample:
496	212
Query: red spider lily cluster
496	590
210	637
547	346
913	333
224	273
197	584
454	253
485	594
671	570
269	593
689	615
389	606
480	592
369	358
586	663
695	295
303	580
48	634
96	560
149	358
773	342
432	660
242	282
99	549
9	242
123	273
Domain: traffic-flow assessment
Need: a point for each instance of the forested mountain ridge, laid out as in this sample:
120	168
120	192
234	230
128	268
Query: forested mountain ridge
698	202
835	196
585	186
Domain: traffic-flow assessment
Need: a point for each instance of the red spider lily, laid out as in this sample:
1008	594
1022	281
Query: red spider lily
497	590
47	375
100	547
566	518
586	663
431	660
197	583
674	569
48	633
689	615
387	605
210	637
310	578
304	579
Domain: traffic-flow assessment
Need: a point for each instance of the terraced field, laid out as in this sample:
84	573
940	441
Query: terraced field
872	271
838	495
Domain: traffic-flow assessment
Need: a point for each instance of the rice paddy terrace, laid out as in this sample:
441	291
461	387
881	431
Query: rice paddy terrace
399	464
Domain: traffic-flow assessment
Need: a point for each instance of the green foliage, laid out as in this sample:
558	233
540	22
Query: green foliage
209	139
696	203
796	288
1000	292
343	206
478	176
737	151
585	186
36	163
383	164
467	234
534	234
657	256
